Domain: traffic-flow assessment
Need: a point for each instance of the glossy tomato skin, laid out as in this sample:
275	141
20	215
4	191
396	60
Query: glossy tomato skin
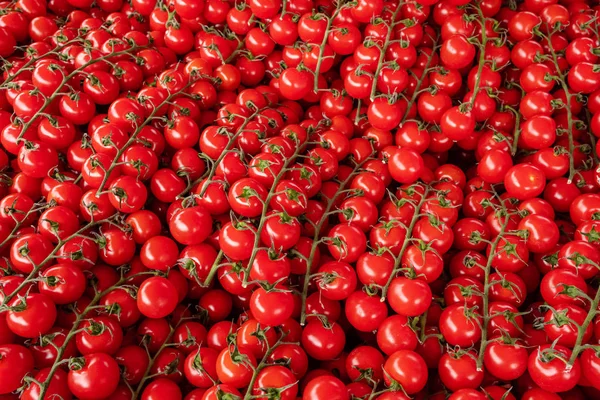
236	240
459	326
44	352
277	378
524	181
407	368
28	250
395	334
231	367
216	391
15	362
323	343
409	297
406	165
159	253
566	333
505	361
157	297
589	366
542	233
31	316
161	388
325	387
272	308
191	226
365	312
364	357
459	371
350	242
64	283
94	376
58	385
134	360
101	334
550	373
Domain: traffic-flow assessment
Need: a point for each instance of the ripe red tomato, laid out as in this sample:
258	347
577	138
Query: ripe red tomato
31	316
409	297
460	326
549	372
459	371
15	362
325	386
234	367
323	342
93	376
364	312
408	369
505	361
157	297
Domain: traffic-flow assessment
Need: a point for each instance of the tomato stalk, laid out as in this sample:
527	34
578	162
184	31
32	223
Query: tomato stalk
383	50
264	363
32	277
397	260
74	329
486	291
481	61
340	4
213	270
420	80
514	146
316	238
66	78
19	224
138	129
146	376
374	394
33	60
272	192
225	151
562	79
583	327
593	139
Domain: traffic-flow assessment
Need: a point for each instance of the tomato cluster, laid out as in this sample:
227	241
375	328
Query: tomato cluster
299	199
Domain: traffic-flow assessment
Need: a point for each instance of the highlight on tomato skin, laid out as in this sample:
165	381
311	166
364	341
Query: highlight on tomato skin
299	199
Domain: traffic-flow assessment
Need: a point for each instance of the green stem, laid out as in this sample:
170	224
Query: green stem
263	363
33	274
74	330
230	143
146	376
17	227
481	56
486	290
568	95
48	100
397	261
339	6
34	60
133	137
265	209
315	242
213	269
581	329
386	43
516	134
425	73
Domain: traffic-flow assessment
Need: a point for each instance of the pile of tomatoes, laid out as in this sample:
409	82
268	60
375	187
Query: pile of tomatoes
299	199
